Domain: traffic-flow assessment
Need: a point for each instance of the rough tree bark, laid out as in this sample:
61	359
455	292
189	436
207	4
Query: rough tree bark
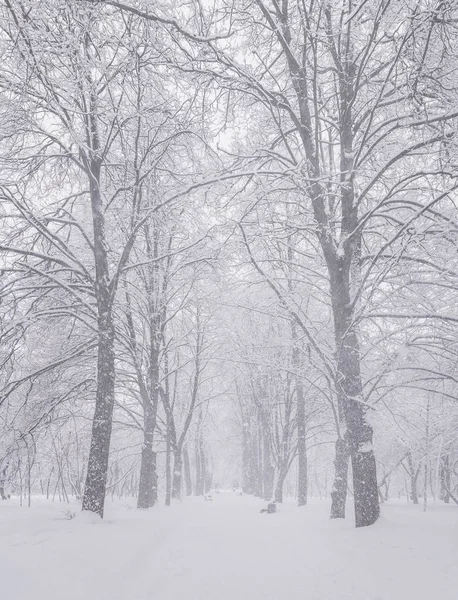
97	470
339	254
349	389
147	487
339	490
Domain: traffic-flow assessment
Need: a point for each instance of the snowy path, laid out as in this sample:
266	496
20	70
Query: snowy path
226	550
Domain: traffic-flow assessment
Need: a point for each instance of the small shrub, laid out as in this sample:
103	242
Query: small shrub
69	514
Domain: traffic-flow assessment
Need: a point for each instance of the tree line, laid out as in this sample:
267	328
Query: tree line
237	219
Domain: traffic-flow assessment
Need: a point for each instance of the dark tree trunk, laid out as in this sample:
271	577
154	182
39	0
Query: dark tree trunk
365	488
342	258
97	470
147	483
147	486
350	398
339	490
187	472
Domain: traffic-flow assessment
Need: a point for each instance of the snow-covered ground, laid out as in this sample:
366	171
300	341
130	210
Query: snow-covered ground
226	550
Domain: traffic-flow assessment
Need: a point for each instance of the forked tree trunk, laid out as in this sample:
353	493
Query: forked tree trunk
341	256
339	489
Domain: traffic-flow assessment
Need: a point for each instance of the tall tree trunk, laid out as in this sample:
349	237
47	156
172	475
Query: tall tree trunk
147	487
97	470
414	489
168	459
187	471
267	469
343	264
413	478
298	365
445	477
302	478
339	489
350	398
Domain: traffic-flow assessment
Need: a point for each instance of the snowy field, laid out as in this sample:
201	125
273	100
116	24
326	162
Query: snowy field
226	550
